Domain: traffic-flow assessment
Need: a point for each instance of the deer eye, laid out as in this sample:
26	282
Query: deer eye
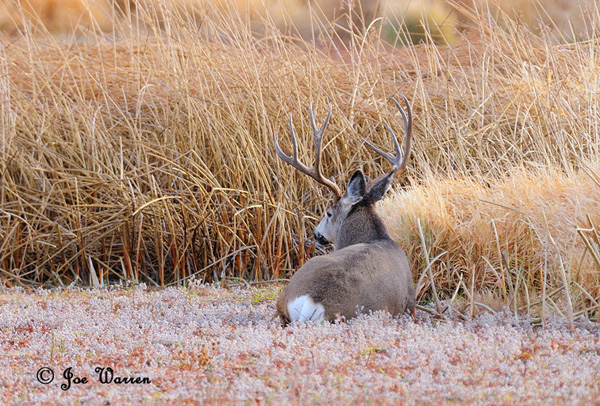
328	214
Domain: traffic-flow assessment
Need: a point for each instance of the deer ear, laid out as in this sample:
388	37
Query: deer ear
355	191
378	190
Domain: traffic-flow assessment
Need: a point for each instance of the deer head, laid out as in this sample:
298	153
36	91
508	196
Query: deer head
361	193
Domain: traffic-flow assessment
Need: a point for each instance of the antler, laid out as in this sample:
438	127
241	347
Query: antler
399	165
315	171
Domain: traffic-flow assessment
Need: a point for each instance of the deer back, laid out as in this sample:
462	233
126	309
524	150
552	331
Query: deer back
360	278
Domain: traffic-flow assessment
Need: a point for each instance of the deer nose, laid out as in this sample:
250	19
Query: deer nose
320	239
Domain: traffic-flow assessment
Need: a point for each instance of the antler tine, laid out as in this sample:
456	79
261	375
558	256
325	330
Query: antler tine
399	164
315	171
290	160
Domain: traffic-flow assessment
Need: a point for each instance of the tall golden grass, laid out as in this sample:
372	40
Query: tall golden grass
509	240
145	154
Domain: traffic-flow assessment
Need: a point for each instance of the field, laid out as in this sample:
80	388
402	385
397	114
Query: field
208	345
136	147
145	154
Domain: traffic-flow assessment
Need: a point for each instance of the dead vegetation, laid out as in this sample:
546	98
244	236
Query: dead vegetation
149	157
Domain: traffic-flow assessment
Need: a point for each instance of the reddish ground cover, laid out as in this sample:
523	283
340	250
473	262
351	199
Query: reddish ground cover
209	345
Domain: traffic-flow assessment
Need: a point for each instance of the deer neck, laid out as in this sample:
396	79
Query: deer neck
362	225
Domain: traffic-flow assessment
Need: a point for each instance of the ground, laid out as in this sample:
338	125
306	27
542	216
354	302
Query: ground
209	345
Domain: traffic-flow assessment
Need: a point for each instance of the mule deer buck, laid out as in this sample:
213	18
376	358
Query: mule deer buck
367	271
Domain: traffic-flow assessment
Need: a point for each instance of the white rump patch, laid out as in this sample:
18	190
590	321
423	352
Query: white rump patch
303	308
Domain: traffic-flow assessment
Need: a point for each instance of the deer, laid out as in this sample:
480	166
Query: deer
367	270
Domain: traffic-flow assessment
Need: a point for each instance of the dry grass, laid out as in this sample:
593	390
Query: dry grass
565	19
509	238
149	158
